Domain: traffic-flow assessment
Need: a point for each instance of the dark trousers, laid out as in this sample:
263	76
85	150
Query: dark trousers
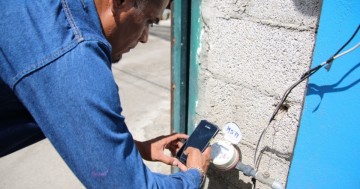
17	128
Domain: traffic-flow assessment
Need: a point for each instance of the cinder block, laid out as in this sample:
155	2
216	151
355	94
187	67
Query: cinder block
251	52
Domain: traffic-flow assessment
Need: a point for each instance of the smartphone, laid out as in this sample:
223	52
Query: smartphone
199	139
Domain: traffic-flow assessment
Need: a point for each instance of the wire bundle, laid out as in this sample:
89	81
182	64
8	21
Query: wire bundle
305	76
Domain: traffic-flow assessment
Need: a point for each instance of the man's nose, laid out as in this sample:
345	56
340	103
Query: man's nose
145	35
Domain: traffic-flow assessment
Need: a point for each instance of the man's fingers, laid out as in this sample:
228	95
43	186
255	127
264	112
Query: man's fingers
207	152
191	149
181	166
173	141
167	160
177	136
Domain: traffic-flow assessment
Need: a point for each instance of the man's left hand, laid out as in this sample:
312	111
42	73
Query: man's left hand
153	150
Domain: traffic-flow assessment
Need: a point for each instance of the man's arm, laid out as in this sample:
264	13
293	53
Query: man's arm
76	104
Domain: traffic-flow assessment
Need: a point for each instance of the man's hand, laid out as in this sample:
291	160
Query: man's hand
196	159
153	150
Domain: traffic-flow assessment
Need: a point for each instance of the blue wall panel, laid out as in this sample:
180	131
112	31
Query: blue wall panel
327	150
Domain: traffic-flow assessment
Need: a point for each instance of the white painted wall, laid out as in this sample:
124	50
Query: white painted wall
251	52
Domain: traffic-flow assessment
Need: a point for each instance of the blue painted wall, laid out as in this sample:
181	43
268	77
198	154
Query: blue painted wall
327	150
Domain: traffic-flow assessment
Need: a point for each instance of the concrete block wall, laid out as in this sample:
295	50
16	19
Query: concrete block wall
251	51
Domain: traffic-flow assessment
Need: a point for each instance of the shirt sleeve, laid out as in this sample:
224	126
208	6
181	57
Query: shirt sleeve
75	102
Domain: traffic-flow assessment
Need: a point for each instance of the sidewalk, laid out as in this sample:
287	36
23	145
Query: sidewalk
143	77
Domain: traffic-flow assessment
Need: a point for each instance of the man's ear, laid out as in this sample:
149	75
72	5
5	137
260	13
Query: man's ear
117	3
121	4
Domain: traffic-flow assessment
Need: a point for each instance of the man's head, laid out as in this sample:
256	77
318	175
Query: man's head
127	22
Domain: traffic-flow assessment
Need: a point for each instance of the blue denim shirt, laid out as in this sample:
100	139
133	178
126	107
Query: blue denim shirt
55	62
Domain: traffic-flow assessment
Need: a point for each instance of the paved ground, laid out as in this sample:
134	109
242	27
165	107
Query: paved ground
143	77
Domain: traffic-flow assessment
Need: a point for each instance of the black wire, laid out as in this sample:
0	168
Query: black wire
254	182
286	94
309	73
312	71
351	38
302	78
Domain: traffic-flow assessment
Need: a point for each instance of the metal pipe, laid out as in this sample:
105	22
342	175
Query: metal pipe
262	177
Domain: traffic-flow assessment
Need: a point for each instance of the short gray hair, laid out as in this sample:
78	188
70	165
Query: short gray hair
141	4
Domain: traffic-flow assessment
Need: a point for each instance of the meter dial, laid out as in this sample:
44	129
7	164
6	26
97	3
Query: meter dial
224	155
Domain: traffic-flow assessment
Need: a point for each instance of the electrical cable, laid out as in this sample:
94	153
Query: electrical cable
346	52
305	76
253	180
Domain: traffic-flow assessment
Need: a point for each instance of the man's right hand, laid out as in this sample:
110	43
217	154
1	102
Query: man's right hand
196	159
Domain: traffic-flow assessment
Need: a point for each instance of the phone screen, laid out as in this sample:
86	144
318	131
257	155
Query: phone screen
199	139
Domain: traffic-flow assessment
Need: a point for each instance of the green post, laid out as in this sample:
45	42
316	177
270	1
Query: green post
180	62
195	32
186	30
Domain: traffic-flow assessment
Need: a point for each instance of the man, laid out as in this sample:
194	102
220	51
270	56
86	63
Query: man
56	80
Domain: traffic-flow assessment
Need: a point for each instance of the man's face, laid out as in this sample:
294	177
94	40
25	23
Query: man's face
132	25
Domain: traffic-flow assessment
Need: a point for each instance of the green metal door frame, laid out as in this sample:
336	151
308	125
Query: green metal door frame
186	29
